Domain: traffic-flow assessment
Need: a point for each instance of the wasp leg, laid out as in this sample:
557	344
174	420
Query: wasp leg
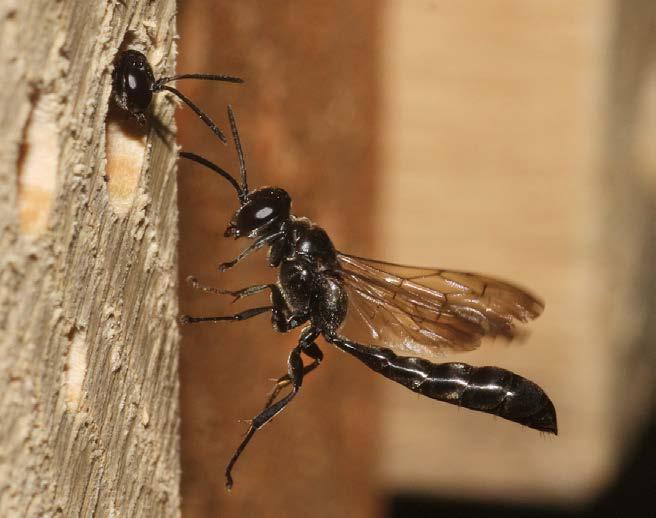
282	317
256	245
244	315
313	352
237	294
295	372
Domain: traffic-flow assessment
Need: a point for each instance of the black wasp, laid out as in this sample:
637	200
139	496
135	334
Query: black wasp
400	311
134	84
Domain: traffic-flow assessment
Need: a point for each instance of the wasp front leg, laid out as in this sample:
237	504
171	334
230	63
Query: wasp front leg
254	246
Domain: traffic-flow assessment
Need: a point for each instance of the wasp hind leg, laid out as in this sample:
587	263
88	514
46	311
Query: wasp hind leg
313	352
296	371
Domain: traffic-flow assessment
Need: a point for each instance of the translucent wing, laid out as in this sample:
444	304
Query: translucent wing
421	311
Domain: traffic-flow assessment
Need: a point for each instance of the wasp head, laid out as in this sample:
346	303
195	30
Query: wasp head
133	81
263	212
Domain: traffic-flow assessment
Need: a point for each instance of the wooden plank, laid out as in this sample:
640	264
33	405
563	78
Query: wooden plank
493	149
306	117
88	333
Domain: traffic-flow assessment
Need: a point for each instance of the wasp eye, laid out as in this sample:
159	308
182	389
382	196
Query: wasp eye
263	213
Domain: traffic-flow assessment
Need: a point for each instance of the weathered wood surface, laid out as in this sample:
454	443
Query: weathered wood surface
88	334
307	117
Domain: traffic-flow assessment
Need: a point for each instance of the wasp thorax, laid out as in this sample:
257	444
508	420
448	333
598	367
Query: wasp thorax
133	81
264	211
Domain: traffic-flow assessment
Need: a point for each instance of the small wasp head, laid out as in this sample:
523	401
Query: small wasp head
133	82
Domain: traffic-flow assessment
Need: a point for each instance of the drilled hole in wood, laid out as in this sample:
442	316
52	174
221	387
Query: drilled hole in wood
75	369
38	161
125	149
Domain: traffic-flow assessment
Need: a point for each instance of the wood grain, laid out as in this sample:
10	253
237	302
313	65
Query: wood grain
88	333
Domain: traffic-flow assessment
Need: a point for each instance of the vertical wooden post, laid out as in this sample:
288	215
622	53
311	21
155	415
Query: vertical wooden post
88	334
307	117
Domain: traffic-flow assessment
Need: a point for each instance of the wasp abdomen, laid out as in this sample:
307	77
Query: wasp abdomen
492	390
487	389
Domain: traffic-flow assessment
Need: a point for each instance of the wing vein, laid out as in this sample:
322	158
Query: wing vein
428	311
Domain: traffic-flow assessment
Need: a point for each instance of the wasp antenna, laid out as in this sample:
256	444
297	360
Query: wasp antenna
203	116
240	152
206	77
211	165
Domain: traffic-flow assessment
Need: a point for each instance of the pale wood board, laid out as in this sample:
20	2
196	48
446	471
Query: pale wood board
493	139
88	307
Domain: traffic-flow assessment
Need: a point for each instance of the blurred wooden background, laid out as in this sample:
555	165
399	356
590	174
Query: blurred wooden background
307	117
507	137
515	129
501	110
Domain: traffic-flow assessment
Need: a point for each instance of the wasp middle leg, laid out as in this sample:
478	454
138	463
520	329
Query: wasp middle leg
237	294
